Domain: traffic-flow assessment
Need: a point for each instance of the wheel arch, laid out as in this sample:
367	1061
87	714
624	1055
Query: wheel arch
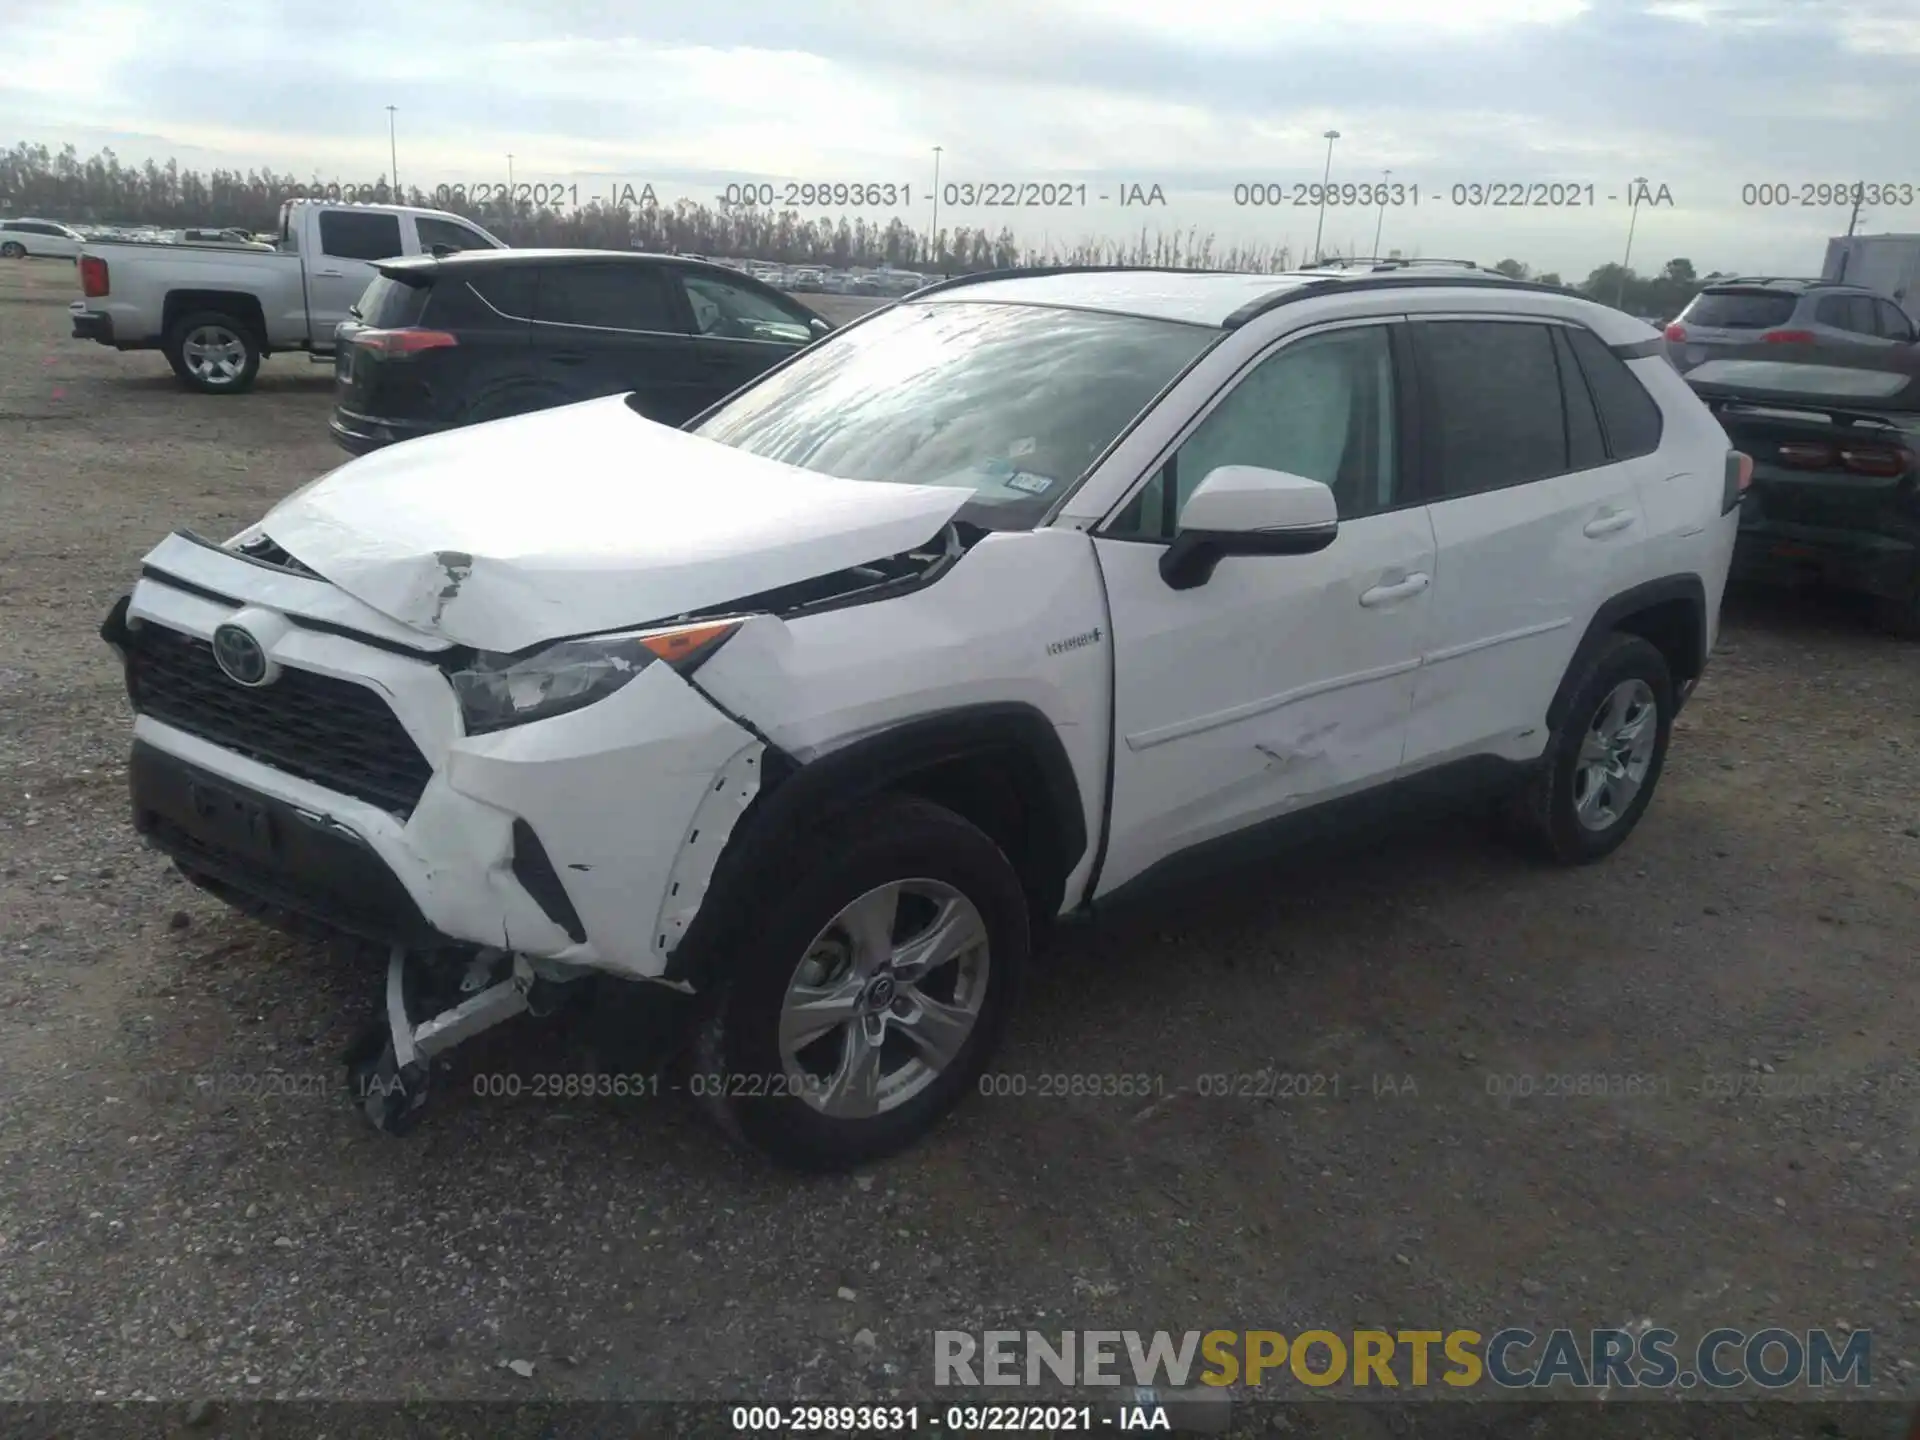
1669	613
1001	766
236	304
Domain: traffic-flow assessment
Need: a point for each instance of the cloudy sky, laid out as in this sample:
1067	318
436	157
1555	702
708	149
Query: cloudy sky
1196	96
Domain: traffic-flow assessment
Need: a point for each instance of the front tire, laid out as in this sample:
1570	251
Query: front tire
867	997
213	353
1604	760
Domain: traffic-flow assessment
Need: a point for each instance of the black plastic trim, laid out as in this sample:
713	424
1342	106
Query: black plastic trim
533	868
1628	602
1378	811
319	871
791	797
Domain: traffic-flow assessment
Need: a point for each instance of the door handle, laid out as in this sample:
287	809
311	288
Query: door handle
1398	590
568	357
1607	523
330	274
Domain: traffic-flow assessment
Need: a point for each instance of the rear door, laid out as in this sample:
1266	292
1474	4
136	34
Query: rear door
1848	319
349	242
609	327
741	329
1532	525
1726	316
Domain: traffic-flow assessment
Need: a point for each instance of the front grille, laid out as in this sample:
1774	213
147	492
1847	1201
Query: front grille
332	732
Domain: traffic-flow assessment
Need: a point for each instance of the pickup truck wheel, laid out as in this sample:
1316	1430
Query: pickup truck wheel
868	996
213	353
1604	759
14	250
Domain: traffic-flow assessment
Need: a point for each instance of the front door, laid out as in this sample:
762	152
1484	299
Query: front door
1284	680
740	330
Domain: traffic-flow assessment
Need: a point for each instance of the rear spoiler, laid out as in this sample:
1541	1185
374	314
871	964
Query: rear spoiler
1720	402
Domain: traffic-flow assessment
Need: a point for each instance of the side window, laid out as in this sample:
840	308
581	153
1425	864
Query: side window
445	233
1894	324
1629	417
1321	407
1832	310
607	297
359	234
1494	400
1585	448
1860	315
508	289
735	312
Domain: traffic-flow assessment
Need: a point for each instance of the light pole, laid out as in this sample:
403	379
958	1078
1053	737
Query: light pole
509	174
933	235
1633	214
1321	225
1383	213
393	156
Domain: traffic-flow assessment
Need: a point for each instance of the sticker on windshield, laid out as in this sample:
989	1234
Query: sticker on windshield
1028	481
1022	447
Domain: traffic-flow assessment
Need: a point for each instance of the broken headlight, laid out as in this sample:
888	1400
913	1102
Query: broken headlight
496	691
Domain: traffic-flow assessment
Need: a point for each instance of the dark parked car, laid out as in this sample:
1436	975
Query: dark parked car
1833	431
440	341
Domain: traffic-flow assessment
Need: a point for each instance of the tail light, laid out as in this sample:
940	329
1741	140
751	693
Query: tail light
1797	456
1676	331
1739	477
1881	460
93	276
1788	337
399	344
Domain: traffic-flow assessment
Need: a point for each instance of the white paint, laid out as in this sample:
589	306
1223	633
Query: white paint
581	518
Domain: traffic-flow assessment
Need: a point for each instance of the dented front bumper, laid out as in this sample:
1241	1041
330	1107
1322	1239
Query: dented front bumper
587	838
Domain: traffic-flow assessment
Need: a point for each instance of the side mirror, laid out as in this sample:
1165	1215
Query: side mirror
1247	510
819	326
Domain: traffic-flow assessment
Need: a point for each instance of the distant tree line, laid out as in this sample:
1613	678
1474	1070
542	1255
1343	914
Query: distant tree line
102	190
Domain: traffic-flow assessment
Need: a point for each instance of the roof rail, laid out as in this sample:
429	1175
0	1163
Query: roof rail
1330	285
1388	262
1027	272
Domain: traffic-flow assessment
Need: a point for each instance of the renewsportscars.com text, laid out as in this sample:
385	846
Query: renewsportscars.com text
1509	1358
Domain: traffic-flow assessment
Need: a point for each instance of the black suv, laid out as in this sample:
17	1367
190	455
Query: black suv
1834	432
440	341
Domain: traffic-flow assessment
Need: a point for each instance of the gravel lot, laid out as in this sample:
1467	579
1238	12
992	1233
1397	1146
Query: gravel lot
175	1223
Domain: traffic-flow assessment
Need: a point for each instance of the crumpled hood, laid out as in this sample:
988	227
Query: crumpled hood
583	518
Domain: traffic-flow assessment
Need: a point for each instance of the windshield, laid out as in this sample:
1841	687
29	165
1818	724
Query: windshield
1014	402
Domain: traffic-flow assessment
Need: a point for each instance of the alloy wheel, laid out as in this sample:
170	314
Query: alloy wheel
1616	750
884	999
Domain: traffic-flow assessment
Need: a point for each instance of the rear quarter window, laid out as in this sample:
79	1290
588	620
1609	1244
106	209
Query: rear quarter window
1739	309
1629	416
390	304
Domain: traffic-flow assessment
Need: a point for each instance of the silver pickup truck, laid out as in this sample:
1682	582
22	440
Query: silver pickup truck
216	311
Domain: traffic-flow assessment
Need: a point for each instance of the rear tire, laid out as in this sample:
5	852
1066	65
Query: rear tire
1604	761
213	353
13	250
844	1029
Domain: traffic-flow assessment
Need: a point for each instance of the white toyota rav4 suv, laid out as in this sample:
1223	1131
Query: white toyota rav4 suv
793	728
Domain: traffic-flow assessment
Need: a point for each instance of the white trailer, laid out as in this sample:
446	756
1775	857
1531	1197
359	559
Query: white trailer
1888	265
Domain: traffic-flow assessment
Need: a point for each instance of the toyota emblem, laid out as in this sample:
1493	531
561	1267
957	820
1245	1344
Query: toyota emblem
240	657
